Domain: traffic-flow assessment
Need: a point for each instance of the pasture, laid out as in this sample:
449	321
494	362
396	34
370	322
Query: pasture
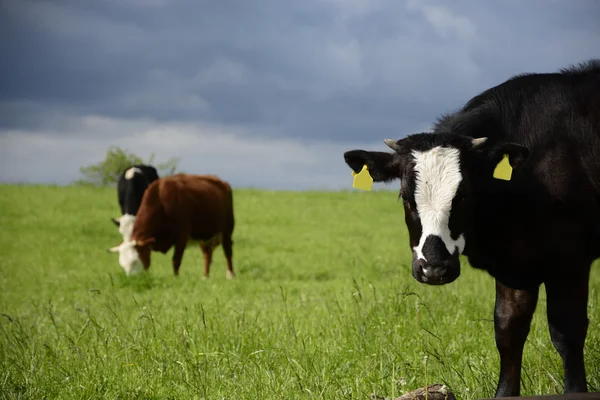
323	306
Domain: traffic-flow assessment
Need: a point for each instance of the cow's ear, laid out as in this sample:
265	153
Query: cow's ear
144	242
383	167
517	154
114	249
116	221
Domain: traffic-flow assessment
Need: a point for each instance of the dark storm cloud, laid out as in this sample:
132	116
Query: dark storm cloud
341	71
272	62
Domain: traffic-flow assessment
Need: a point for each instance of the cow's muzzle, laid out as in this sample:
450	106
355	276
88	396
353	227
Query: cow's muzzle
437	273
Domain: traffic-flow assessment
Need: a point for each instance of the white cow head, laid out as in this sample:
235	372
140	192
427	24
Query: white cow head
134	255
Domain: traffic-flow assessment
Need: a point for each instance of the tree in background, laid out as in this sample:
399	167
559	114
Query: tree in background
107	172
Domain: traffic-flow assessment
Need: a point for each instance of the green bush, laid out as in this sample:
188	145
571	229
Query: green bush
107	171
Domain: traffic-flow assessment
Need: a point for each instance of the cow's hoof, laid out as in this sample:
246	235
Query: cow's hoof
204	277
230	275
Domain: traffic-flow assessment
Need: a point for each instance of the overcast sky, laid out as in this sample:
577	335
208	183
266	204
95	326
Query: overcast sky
264	93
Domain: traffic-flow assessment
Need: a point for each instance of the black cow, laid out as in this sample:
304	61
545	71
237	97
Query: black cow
130	188
540	227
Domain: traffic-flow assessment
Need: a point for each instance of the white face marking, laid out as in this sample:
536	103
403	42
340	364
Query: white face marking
128	258
131	171
437	179
126	226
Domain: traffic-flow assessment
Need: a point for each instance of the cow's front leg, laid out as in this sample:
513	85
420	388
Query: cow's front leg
568	322
512	319
178	255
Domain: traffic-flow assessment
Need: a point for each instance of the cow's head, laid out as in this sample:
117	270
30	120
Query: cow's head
134	255
438	174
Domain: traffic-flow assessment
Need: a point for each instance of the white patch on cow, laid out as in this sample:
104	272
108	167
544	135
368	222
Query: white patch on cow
126	226
129	259
437	179
131	172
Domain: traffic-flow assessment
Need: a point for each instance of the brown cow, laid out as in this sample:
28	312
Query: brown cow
176	210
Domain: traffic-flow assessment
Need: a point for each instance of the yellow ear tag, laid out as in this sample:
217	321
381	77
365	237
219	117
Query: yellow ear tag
362	180
503	169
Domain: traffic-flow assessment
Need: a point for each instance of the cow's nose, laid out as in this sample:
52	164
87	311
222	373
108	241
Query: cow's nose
419	265
429	273
434	272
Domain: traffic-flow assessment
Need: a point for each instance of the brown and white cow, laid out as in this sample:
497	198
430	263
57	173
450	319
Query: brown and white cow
176	210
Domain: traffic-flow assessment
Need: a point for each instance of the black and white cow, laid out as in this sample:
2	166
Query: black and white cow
540	227
130	188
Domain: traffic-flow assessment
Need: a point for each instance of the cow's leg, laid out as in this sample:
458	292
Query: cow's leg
207	250
567	301
512	319
228	250
178	255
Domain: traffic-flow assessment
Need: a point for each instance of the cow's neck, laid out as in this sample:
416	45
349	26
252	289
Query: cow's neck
495	209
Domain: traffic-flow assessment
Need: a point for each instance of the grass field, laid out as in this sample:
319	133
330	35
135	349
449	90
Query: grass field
324	306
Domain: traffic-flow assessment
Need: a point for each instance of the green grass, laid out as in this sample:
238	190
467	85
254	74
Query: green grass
324	306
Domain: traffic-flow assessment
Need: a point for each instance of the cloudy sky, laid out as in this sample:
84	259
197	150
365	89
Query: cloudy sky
265	93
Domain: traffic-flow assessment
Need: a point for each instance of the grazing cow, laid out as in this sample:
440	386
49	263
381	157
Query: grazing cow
130	189
539	226
174	211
